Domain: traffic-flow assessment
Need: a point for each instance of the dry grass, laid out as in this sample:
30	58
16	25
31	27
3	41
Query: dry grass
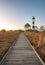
37	39
6	40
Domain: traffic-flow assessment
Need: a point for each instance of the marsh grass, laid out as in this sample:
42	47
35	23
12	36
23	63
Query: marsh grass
37	40
6	40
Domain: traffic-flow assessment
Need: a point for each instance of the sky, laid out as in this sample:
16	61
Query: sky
14	14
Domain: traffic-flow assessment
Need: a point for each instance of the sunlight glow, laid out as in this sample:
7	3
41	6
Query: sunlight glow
3	25
6	22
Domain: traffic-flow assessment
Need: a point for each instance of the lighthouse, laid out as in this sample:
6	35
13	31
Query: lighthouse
33	23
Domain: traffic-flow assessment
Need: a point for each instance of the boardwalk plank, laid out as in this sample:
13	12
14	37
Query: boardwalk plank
21	53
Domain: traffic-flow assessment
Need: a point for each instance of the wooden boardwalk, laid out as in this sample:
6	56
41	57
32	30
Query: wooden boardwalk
21	53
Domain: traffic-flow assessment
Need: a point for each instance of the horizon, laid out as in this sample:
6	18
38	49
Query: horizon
14	14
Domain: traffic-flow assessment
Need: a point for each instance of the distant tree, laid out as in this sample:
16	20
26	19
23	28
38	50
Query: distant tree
27	26
3	30
42	28
10	30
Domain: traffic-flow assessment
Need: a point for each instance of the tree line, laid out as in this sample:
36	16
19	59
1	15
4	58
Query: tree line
27	26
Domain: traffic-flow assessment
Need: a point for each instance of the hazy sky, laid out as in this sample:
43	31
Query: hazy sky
15	13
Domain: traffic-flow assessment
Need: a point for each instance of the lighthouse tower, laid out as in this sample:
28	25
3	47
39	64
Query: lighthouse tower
33	23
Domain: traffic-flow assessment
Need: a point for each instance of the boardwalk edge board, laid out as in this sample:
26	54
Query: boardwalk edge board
1	62
36	53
